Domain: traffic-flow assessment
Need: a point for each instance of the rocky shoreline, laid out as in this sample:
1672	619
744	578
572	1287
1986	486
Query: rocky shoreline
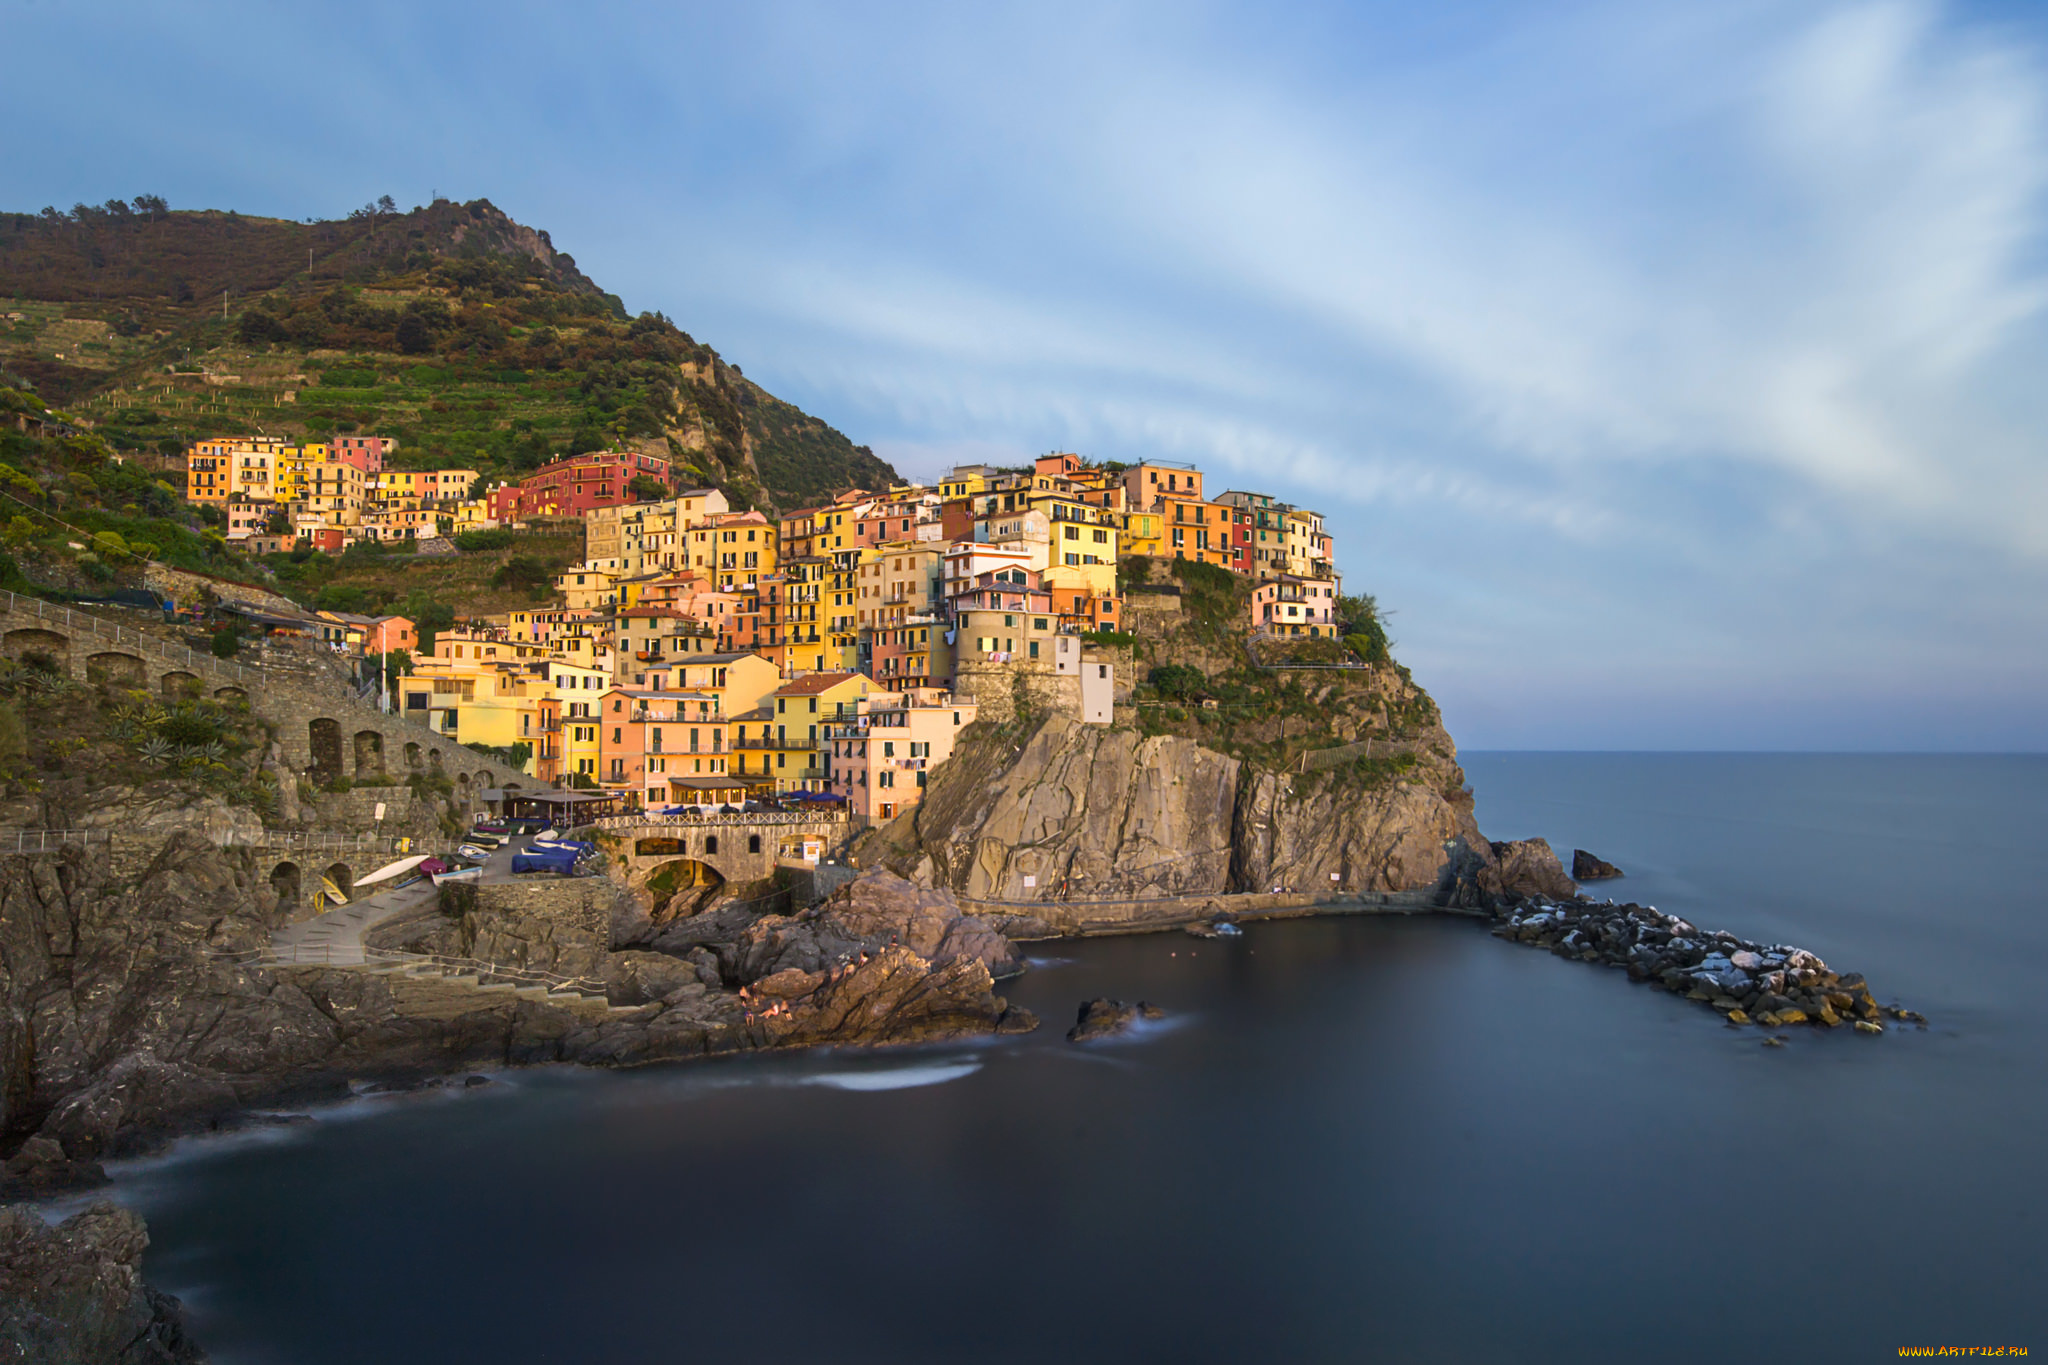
1773	985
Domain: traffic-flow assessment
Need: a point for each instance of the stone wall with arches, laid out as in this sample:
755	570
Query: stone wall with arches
322	730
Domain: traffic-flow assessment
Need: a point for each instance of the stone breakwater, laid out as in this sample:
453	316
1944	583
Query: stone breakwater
1773	985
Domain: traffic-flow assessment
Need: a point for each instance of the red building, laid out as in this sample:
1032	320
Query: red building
575	484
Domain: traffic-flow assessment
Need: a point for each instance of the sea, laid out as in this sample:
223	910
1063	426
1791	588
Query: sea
1348	1139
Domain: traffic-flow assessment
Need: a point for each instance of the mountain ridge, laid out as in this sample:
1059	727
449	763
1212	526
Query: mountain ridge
464	333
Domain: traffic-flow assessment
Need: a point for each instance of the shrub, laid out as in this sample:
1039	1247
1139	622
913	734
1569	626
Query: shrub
493	538
1177	682
226	643
339	783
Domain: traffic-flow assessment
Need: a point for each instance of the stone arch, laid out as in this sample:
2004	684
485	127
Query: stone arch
679	888
412	754
434	759
462	779
661	848
753	843
116	666
22	643
323	741
285	883
230	695
343	879
711	845
180	686
485	778
369	753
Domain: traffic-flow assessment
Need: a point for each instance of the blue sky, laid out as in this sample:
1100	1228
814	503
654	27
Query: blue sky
1677	374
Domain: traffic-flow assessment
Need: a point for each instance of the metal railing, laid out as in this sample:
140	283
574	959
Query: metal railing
112	630
43	840
554	981
829	815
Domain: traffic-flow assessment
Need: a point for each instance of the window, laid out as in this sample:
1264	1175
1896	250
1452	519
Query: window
1038	622
1034	649
618	736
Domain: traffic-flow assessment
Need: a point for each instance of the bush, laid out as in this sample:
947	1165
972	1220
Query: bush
348	379
339	784
494	538
1178	682
226	643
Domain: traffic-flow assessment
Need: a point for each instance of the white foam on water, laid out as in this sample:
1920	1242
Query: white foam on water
899	1078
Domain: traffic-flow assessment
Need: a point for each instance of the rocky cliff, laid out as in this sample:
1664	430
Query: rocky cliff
1064	810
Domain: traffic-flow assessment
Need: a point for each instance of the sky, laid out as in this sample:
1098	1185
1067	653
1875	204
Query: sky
1675	375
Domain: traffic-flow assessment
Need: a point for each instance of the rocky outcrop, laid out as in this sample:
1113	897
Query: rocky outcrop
877	911
1081	812
1586	867
1082	809
1300	832
73	1294
1106	1018
1770	984
125	1015
1525	868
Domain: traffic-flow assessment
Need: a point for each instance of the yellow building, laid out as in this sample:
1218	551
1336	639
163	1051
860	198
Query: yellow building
734	551
587	589
800	711
965	482
1142	533
579	692
484	702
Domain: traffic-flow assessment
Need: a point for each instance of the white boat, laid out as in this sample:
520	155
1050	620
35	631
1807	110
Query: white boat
460	874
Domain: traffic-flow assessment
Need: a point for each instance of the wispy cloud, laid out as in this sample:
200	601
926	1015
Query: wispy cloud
1692	349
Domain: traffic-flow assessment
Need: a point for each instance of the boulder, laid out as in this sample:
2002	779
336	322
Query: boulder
1588	868
1105	1018
73	1294
1527	868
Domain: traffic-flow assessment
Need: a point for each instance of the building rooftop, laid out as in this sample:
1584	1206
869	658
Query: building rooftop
814	683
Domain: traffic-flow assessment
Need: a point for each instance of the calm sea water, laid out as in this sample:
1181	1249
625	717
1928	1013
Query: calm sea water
1350	1140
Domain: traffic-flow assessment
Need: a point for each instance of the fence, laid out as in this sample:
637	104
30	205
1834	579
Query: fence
831	815
1251	649
78	622
349	955
43	840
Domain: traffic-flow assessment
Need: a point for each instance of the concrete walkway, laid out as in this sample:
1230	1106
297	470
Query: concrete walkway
336	936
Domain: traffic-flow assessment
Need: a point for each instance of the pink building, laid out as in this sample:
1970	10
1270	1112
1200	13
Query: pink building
364	452
878	758
1295	606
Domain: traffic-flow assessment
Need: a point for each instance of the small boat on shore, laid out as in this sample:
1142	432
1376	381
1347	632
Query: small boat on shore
460	874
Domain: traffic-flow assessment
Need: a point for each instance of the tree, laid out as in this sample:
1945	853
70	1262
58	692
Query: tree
227	642
647	488
413	334
1177	682
280	524
395	664
528	572
386	204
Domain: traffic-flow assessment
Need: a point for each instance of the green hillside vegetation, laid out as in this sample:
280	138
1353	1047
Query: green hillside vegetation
460	332
1199	679
76	518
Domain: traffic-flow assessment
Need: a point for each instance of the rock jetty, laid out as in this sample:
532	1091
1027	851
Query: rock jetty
1750	983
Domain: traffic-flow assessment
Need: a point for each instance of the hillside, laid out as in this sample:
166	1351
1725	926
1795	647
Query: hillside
466	335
